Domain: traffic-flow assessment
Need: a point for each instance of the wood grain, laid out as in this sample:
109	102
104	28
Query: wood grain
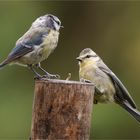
61	110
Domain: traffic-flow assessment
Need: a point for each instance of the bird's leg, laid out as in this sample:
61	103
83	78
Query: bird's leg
48	75
97	91
95	101
37	76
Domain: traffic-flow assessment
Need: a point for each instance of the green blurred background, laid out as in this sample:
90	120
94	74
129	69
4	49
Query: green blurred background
112	29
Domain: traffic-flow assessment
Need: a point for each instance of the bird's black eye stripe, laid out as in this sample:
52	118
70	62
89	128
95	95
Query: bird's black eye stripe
55	19
57	22
88	56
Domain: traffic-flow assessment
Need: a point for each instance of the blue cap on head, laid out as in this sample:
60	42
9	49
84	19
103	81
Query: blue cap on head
49	21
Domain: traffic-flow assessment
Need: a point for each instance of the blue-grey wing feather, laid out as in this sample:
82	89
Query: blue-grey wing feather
122	93
25	45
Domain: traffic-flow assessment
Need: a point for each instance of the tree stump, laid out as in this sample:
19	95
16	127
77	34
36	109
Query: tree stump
61	110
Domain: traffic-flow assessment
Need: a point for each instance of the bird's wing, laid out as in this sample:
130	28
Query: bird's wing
122	93
25	45
19	51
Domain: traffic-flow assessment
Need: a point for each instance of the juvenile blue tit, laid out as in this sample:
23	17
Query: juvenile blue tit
36	44
108	88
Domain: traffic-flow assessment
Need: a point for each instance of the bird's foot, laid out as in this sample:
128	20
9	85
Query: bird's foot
85	80
38	77
51	76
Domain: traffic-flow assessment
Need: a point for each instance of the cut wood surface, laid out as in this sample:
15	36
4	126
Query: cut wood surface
61	110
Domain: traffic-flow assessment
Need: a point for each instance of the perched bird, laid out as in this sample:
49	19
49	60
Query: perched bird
36	44
108	88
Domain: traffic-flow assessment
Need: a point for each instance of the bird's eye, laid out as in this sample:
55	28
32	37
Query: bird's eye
88	56
57	22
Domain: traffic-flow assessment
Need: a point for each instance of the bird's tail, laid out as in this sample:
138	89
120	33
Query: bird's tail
3	64
133	111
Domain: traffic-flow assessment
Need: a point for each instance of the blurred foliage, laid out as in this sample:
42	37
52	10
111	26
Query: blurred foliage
112	29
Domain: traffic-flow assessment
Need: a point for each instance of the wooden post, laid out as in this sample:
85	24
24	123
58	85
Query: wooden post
61	110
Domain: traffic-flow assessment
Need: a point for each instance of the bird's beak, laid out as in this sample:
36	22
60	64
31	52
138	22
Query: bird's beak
79	59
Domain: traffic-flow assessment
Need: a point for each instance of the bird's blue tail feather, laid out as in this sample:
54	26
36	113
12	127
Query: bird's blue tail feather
2	65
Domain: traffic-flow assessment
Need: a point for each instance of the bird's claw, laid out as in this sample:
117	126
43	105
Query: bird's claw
38	77
85	80
57	76
51	76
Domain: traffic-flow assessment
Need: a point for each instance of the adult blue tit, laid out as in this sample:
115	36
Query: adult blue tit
108	88
36	44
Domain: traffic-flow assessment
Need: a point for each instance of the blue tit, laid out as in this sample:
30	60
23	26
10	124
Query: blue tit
108	88
36	44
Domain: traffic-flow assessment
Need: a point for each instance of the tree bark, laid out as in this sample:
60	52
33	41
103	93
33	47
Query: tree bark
61	110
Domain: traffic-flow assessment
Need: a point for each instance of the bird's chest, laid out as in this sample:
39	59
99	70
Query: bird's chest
49	44
42	51
87	72
101	81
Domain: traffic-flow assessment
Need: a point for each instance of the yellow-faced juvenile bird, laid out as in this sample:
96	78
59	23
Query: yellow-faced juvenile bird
108	88
36	44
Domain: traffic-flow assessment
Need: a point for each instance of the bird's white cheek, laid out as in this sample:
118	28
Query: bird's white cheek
96	59
57	27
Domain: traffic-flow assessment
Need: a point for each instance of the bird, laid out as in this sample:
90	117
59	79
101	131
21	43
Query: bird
108	87
36	45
